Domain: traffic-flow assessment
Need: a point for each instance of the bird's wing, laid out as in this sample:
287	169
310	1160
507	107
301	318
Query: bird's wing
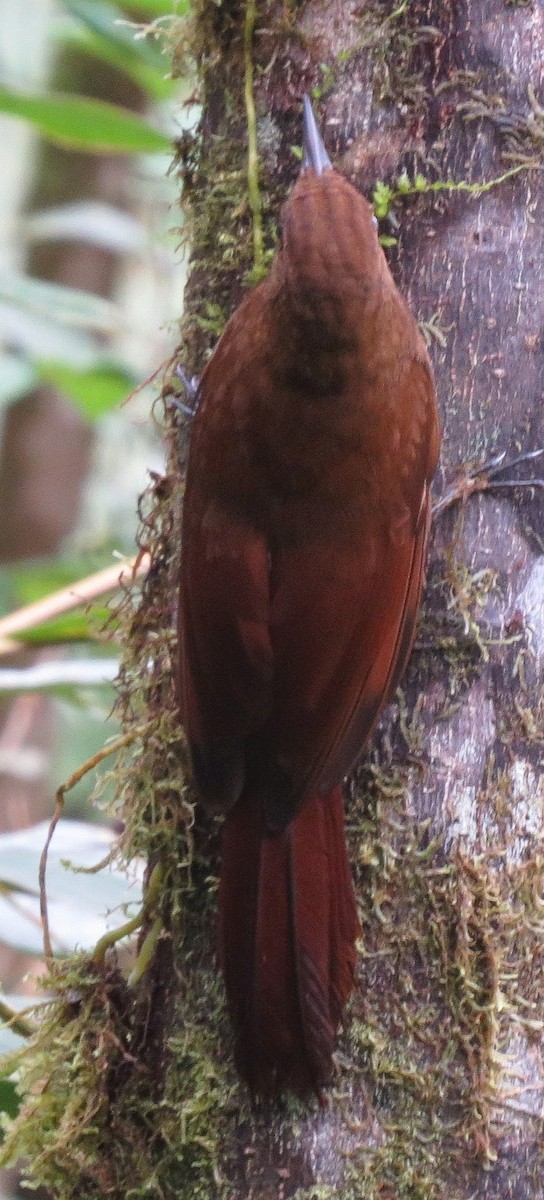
226	656
295	651
339	657
343	615
225	653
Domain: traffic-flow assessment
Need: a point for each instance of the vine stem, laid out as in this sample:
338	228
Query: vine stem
252	150
15	1021
106	751
461	185
113	936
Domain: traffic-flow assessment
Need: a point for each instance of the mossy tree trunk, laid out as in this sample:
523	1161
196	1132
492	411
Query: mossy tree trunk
440	1083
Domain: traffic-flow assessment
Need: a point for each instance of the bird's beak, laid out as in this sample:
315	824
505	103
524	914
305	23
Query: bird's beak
315	156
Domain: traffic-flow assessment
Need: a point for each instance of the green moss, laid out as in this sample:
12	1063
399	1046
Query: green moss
231	188
63	1074
386	195
440	977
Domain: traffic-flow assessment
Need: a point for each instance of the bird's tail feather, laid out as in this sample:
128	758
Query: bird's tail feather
287	929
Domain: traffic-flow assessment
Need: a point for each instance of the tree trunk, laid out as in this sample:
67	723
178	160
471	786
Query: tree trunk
440	1082
441	1085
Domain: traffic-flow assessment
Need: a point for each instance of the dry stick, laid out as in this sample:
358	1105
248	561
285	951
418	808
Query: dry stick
82	591
96	759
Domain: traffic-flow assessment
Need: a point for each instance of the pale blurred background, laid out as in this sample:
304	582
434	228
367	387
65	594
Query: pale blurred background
91	287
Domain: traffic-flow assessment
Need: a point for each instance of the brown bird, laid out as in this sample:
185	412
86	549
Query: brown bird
305	524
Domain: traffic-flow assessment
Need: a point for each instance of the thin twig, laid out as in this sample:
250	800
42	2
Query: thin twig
82	591
16	1021
462	185
75	778
113	936
96	867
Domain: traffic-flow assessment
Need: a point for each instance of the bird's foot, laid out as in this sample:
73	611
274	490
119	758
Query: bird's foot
191	384
485	479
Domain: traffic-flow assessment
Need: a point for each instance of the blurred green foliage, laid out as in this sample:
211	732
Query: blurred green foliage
62	336
81	368
84	124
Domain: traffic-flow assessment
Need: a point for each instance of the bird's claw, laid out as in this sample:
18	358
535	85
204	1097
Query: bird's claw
498	465
191	384
485	479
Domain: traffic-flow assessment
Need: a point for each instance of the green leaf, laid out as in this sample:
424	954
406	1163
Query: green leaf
111	23
84	124
32	581
382	199
156	86
108	34
70	627
17	378
21	585
95	390
159	8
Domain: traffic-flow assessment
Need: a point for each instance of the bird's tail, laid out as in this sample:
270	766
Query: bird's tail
287	929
